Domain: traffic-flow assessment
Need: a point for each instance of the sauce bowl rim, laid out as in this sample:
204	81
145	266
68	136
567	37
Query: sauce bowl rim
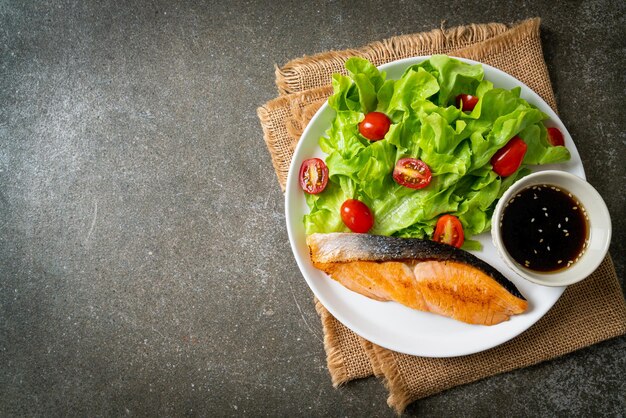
598	239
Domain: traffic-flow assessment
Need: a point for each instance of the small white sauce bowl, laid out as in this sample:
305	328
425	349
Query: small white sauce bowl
599	228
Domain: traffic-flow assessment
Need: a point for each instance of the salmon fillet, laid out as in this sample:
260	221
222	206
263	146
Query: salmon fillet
421	274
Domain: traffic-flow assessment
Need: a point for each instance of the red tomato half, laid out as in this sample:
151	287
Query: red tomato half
449	231
375	126
555	137
413	173
313	175
508	158
469	102
357	216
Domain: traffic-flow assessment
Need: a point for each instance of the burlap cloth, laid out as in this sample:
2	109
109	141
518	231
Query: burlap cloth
588	312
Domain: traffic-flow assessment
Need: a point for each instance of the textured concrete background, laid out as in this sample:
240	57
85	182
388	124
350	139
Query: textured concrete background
144	261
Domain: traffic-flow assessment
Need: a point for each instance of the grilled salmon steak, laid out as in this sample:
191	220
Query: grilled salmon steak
421	274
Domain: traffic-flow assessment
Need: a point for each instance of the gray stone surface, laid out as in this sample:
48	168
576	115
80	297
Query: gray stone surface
144	262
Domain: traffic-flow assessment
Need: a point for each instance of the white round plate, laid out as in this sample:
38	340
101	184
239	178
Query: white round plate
390	324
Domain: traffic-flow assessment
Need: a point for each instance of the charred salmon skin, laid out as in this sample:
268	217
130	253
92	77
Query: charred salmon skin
421	274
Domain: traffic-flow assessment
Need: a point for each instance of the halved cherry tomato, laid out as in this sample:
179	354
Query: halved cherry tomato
449	231
469	102
375	126
313	175
555	137
357	216
508	158
413	173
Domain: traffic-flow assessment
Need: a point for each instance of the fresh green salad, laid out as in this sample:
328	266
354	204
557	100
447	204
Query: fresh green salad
439	141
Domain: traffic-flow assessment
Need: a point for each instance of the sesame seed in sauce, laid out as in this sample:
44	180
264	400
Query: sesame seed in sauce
525	206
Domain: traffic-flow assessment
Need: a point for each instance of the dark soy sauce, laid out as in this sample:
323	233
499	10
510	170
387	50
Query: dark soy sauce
544	228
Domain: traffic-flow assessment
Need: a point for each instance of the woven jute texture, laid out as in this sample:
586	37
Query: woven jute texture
588	312
311	72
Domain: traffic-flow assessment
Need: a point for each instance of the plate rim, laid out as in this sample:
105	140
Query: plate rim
344	319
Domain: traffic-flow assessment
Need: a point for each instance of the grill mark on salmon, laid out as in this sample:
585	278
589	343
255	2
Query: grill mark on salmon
421	274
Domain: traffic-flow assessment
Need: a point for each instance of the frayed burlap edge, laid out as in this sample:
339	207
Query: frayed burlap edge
375	361
334	356
289	76
502	41
399	395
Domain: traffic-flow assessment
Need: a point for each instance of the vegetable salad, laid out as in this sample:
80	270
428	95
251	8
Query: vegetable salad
429	122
